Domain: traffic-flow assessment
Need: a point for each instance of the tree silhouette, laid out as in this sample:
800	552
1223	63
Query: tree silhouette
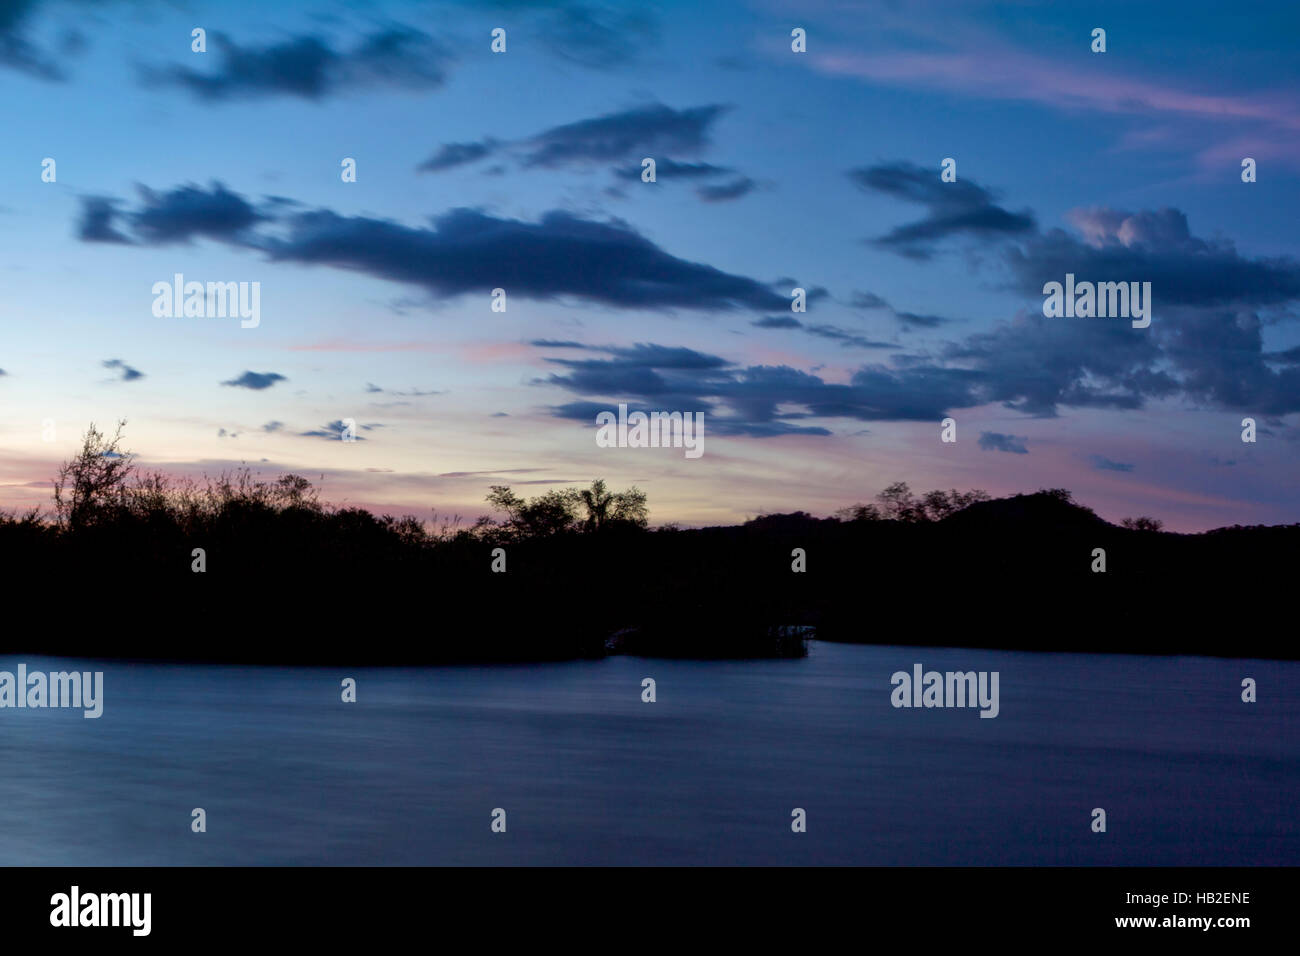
606	508
1143	523
557	511
94	481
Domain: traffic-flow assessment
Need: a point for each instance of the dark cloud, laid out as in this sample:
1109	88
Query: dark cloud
1288	357
96	223
909	320
180	215
653	130
867	300
562	255
600	36
1153	246
190	211
495	471
668	169
1205	341
17	51
311	68
962	208
333	431
1102	463
996	441
1033	364
272	426
128	374
451	155
846	338
256	380
642	131
758	401
915	321
724	192
465	251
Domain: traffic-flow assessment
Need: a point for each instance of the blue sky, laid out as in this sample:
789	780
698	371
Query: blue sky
816	169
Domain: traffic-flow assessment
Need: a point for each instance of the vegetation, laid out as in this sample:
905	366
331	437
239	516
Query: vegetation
897	503
287	576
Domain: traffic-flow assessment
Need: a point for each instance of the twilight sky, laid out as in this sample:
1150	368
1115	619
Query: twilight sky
521	170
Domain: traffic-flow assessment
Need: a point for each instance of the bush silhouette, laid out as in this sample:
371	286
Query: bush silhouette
290	577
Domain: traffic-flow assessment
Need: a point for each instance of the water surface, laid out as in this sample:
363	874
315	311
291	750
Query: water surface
708	774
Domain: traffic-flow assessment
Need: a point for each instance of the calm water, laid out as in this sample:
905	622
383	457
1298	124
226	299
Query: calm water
587	773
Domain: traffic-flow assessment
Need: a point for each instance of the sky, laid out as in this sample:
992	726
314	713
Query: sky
521	170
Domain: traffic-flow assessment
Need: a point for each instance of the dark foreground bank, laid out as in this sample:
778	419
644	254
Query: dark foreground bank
272	576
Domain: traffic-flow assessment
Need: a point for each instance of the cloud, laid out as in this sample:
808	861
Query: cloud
629	134
915	321
411	392
256	380
1201	347
1155	246
642	131
724	192
179	215
1206	336
668	169
334	431
847	339
909	320
867	300
1103	463
451	155
189	211
962	208
129	374
996	441
464	251
96	224
600	36
272	426
757	401
17	51
1266	117
469	251
310	68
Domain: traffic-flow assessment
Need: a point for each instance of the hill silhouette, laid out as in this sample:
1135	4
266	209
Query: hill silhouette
114	572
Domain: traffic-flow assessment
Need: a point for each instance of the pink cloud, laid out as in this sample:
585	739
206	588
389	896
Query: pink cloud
1011	75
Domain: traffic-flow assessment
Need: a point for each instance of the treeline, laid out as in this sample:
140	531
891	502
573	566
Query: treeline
236	567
